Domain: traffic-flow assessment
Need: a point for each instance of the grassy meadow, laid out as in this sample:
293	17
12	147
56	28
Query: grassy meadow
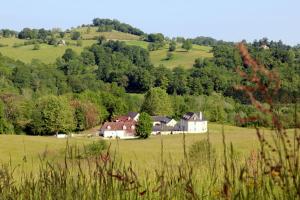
47	53
181	57
137	171
144	154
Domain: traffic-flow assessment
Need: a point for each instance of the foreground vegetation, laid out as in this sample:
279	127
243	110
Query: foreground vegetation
144	152
225	164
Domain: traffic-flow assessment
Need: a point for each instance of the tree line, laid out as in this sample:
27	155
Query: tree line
108	25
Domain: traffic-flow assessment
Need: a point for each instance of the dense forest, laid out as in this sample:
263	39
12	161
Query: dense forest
109	78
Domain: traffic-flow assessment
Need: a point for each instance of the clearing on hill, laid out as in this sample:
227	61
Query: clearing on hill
15	48
91	33
180	57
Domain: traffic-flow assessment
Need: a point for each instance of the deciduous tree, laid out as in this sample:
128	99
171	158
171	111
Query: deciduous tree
144	126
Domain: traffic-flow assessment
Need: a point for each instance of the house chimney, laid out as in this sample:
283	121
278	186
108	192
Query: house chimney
200	116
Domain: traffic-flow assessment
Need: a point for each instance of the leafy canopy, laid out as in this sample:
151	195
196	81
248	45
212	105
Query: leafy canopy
144	126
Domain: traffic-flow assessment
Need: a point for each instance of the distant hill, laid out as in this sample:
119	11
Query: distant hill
15	48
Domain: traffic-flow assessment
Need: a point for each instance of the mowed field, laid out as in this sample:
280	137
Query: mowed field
49	53
181	57
144	154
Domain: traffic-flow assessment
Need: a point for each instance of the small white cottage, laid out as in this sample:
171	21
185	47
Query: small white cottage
193	123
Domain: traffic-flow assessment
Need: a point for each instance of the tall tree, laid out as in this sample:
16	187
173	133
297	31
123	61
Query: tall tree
53	115
144	126
157	102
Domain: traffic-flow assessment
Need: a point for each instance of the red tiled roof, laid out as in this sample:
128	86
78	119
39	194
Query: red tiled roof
128	126
123	118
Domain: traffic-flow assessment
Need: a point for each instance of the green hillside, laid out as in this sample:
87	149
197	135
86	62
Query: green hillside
49	53
46	53
91	33
180	56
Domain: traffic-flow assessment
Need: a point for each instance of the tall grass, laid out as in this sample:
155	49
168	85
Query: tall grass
270	172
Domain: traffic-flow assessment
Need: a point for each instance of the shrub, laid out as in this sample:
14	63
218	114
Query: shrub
36	47
16	45
202	152
79	43
95	148
75	35
3	45
170	56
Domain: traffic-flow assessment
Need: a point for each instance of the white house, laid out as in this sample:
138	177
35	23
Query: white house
122	130
193	123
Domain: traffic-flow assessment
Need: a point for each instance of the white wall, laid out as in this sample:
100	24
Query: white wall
112	133
194	126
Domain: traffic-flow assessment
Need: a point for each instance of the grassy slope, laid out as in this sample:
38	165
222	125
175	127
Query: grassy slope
181	56
141	152
48	53
114	35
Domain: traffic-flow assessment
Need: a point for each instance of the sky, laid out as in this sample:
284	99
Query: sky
229	20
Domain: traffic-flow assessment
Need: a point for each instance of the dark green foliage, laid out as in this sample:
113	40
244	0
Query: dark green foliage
169	56
5	126
201	153
162	77
187	44
227	55
43	34
108	25
156	37
101	39
157	102
172	46
156	41
202	62
207	41
179	82
95	148
7	33
36	47
40	34
144	126
62	34
27	33
75	35
69	55
88	57
52	115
